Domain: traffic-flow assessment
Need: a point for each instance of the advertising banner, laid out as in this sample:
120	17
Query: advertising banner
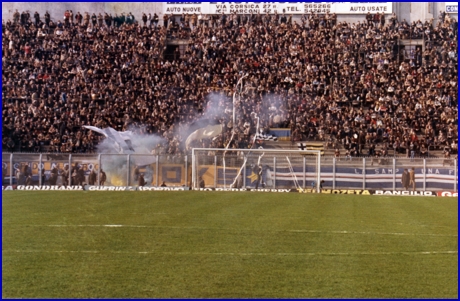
447	194
452	7
178	8
245	189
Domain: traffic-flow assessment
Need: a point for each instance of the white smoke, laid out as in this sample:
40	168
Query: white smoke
143	144
218	110
115	164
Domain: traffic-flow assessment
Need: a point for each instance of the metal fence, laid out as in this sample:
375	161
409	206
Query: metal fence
125	170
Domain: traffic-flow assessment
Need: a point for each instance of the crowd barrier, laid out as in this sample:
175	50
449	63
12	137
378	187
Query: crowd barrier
431	174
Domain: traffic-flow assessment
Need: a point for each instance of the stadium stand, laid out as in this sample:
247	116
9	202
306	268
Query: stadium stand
329	84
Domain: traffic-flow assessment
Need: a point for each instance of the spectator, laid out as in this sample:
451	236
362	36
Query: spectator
201	182
102	177
100	20
67	18
165	20
37	19
16	16
155	20
320	78
94	19
141	181
47	19
92	178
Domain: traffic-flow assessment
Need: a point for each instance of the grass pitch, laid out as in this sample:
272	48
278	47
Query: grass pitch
224	245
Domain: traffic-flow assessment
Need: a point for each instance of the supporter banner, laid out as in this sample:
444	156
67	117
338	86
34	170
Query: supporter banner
226	177
442	178
282	134
451	7
172	174
249	176
350	177
437	178
207	172
178	8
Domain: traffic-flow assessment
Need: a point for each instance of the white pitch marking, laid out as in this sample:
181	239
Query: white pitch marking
242	253
295	231
378	233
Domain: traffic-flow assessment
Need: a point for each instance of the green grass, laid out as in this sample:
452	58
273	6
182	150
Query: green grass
224	245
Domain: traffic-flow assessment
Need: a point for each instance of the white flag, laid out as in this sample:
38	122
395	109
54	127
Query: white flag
121	139
209	131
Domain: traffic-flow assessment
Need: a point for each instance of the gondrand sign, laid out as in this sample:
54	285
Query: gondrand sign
241	8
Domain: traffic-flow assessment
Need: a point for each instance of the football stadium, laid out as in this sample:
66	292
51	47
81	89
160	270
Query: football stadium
230	150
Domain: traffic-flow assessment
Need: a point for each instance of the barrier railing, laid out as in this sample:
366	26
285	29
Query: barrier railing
127	170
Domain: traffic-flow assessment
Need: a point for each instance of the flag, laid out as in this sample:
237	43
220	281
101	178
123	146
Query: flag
122	142
266	137
121	139
209	131
302	146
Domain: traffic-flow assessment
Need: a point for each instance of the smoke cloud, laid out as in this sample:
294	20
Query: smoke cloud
218	110
115	164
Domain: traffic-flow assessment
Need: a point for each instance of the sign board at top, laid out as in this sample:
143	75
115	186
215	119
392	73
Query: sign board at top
296	8
451	7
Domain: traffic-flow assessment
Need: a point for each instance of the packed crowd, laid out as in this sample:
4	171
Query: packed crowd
345	84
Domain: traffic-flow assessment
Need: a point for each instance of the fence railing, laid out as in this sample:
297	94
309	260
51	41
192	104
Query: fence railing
126	170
